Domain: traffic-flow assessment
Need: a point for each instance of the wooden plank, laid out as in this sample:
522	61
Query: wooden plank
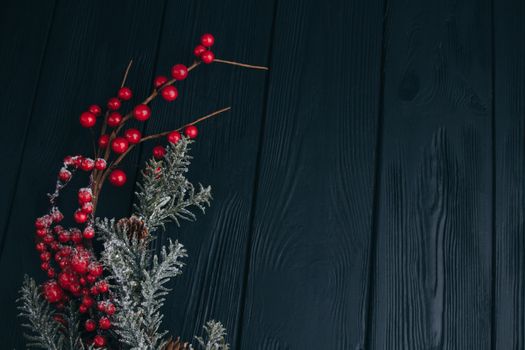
224	155
510	174
24	29
89	47
432	287
308	272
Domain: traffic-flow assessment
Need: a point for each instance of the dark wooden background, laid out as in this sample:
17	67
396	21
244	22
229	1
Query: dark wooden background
369	190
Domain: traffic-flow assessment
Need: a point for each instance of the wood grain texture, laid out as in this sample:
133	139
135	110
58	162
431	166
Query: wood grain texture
24	30
432	277
88	49
510	174
307	280
224	154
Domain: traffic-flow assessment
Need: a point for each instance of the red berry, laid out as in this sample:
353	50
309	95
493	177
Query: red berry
99	341
191	131
95	269
91	279
95	110
207	57
40	247
104	323
64	236
87	300
101	305
169	93
64	175
82	309
84	195
54	246
103	287
110	309
117	177
159	152
113	104
125	93
174	137
45	256
207	40
89	232
87	119
80	262
52	292
103	140
179	71
80	217
114	119
132	135
100	164
57	216
142	112
120	145
90	325
76	235
51	272
87	164
87	207
159	81
48	239
44	266
199	50
41	232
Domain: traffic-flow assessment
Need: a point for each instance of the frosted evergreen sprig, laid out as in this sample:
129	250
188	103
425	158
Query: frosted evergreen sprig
45	331
214	338
165	193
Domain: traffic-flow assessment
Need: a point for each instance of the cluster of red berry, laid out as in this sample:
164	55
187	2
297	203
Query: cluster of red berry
76	272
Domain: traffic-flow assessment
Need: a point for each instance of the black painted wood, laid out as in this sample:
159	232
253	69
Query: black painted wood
509	245
88	49
432	277
307	282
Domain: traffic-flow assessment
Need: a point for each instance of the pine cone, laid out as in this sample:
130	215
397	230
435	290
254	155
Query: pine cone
177	345
134	227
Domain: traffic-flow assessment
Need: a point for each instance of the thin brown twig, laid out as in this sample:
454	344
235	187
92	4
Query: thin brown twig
126	73
218	60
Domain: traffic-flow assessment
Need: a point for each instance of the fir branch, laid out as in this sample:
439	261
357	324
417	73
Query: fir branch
214	338
72	327
45	330
165	194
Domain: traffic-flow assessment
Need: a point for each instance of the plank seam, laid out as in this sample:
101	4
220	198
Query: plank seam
493	209
251	220
24	138
372	251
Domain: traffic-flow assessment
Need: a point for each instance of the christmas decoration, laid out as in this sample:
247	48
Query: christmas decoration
111	298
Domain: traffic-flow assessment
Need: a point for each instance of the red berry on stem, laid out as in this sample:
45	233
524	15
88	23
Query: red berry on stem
191	131
101	305
87	300
80	262
110	309
87	119
174	137
87	207
80	217
45	256
84	195
179	71
44	266
57	216
87	164
159	81
104	323
51	272
99	341
41	232
114	119
90	325
48	239
89	232
103	287
159	152
40	247
199	50
169	93
117	177
142	112
103	140
82	309
76	235
64	175
92	279
95	110
207	40
100	164
52	292
113	104
120	145
95	269
132	135
125	93
64	236
207	57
